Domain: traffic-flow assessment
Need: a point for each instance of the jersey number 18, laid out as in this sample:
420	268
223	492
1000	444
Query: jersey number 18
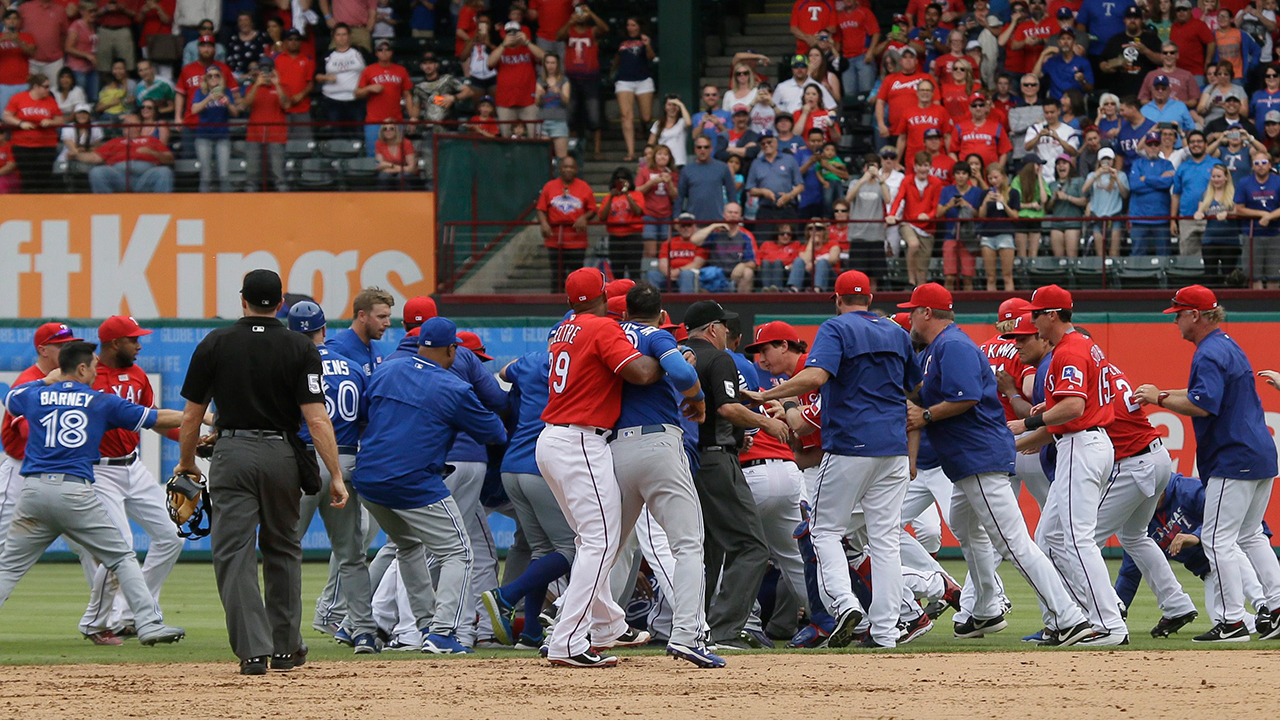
65	428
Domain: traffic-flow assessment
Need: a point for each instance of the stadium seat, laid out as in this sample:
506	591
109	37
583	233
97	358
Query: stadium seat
300	148
238	148
238	175
340	149
1186	267
1092	271
896	273
1044	270
361	172
1142	271
186	174
317	173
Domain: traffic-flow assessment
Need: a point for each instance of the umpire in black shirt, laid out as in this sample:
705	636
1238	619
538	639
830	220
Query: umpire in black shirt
258	375
734	536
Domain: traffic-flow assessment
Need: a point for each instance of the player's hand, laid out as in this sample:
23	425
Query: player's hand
779	430
1272	377
338	493
753	397
1147	394
915	417
1038	409
774	409
747	442
188	469
1005	383
694	410
1182	541
1017	427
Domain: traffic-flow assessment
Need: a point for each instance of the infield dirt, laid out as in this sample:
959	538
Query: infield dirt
1041	685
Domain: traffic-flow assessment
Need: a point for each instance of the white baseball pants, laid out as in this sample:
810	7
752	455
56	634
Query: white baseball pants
1233	511
10	490
776	486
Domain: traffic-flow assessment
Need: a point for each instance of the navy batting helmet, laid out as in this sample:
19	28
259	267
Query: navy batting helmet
305	317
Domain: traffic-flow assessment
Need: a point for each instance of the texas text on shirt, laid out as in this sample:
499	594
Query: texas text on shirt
871	363
1238	444
1077	372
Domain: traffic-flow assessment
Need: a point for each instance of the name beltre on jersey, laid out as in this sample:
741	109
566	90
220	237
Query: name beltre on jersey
566	334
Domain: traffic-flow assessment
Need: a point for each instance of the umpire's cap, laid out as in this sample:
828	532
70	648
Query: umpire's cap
705	312
305	317
262	288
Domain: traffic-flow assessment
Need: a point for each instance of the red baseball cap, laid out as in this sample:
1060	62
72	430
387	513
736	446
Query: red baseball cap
54	333
1050	297
677	331
618	287
903	319
472	342
120	326
852	282
776	331
207	39
1193	297
1023	326
584	284
617	305
929	295
1011	309
419	309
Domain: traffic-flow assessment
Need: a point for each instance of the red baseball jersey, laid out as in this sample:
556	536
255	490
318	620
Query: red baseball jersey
385	105
1131	431
811	16
680	252
587	352
990	140
855	27
763	445
132	384
1024	60
13	433
899	94
1076	371
1003	355
812	399
914	123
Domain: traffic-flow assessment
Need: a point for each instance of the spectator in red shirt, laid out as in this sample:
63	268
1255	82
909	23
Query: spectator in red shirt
780	257
1194	39
813	116
1028	39
397	161
564	206
16	50
515	60
943	64
981	135
48	23
35	116
623	212
911	125
553	16
81	49
132	163
858	32
952	10
296	73
659	182
466	25
485	121
383	85
956	94
156	17
582	66
679	260
808	18
9	179
115	33
267	100
912	212
191	75
897	94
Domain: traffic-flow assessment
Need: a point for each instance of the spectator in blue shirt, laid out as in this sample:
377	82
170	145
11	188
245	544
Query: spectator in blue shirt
1062	69
1258	197
1101	20
733	247
713	121
1134	128
1150	177
775	178
1189	183
1164	108
704	183
808	157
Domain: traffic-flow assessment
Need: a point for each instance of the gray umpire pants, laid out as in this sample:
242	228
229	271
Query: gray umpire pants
54	504
255	491
346	538
436	529
539	516
653	472
733	540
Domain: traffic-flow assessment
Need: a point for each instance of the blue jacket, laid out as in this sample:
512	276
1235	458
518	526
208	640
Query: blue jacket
1149	188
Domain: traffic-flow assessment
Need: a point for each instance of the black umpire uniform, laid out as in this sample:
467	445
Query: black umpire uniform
257	374
734	536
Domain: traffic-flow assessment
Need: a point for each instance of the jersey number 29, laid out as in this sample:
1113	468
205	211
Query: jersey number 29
65	428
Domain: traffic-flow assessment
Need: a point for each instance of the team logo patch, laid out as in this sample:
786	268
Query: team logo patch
313	383
1072	375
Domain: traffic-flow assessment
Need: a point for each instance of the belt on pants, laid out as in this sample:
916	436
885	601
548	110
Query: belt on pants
342	449
583	428
253	434
1153	447
719	448
119	461
762	461
641	429
64	477
1095	428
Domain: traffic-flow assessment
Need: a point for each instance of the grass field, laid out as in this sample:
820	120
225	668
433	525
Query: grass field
38	624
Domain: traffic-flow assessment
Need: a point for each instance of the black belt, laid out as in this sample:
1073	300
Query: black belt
342	449
1152	447
118	461
644	430
596	430
719	448
1095	428
253	434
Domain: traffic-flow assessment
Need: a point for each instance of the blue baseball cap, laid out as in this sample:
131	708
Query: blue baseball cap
438	332
305	317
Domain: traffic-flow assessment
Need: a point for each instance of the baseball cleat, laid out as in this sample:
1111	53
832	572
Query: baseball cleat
1038	636
842	633
869	643
756	639
1268	624
367	644
974	628
1063	638
1170	625
699	656
343	637
443	645
630	637
1224	632
588	659
491	643
165	634
105	637
127	631
952	594
254	666
329	629
809	637
530	642
398	646
912	629
544	650
500	612
1105	639
935	609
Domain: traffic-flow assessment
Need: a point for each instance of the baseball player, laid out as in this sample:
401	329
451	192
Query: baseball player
590	358
1175	528
649	463
1078	411
1237	455
416	402
125	486
961	413
66	421
347	407
1003	356
370	318
865	366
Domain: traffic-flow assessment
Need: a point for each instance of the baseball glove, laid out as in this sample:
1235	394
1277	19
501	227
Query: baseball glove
188	505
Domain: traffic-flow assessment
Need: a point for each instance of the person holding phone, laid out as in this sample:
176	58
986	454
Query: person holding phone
622	211
214	104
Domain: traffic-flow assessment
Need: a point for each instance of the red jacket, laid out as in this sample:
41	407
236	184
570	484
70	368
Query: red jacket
911	202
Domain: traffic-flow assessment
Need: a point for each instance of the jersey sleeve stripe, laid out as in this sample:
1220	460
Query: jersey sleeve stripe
672	350
1072	393
628	359
143	419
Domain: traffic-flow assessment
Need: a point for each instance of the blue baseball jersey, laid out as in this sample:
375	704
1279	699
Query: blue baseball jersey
748	379
344	399
1048	453
1263	196
1130	140
529	376
926	456
1232	441
659	403
66	422
1104	20
349	345
977	440
864	404
415	410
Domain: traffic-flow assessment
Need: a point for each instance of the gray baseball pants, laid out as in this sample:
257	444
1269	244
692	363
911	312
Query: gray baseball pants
345	540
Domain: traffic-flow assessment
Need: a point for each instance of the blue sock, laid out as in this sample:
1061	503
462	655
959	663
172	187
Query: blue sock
540	573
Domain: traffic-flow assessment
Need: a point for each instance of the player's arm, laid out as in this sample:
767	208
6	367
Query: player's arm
326	445
807	380
1175	400
938	411
478	421
1068	408
644	370
1033	441
167	420
740	415
188	436
1008	387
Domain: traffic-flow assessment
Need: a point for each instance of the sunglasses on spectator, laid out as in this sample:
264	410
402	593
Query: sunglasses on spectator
784	232
1261	162
1030	84
843	210
742	74
1169	52
1271	75
701	147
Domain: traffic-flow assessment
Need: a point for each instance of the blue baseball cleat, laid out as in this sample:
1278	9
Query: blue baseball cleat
699	656
500	612
343	636
443	645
